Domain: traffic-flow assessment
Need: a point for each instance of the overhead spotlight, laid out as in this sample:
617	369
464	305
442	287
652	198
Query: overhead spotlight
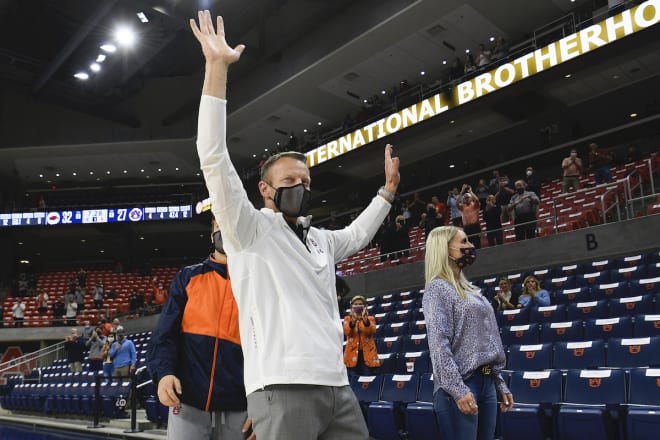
615	77
125	36
452	166
91	173
141	238
57	174
143	18
125	171
95	67
107	172
383	92
324	201
278	144
83	76
197	174
160	169
422	73
319	123
265	149
444	62
364	100
109	48
568	75
254	155
176	169
467	50
100	58
102	251
492	39
452	121
633	115
74	174
41	175
142	170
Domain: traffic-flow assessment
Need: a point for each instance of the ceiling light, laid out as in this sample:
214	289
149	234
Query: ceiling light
319	123
383	92
81	76
254	155
125	36
110	48
452	166
305	130
82	240
422	73
100	58
452	121
568	75
615	76
339	166
160	169
49	181
492	39
74	174
633	115
467	50
141	238
98	178
156	249
101	251
176	169
148	177
142	170
125	171
143	18
265	149
197	174
324	201
278	144
41	175
57	174
95	67
364	100
91	173
20	243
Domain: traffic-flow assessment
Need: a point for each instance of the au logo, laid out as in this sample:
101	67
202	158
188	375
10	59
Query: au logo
650	286
586	310
578	352
520	333
607	328
657	381
547	314
630	306
417	341
561	330
571	296
530	354
389	344
534	383
595	382
400	384
634	349
609	291
510	317
365	385
656	324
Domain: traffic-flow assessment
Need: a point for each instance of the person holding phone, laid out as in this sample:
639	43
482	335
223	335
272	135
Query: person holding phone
360	354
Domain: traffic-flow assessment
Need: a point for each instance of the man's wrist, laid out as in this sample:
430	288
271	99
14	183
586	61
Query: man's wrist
387	194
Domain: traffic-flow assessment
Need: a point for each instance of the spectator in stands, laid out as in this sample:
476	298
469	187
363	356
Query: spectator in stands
41	203
360	354
108	365
116	326
455	215
195	353
160	293
505	299
87	332
80	299
524	205
18	313
465	347
599	163
532	181
572	168
483	56
292	358
42	302
71	312
342	288
82	278
532	294
456	69
123	355
440	209
492	216
98	296
632	154
106	327
95	345
401	239
494	184
75	350
469	65
482	191
430	219
417	206
58	311
503	195
468	203
112	294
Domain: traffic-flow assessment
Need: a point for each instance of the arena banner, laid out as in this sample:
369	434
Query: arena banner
614	28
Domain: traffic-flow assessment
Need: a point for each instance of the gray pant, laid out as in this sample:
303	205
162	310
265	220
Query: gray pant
306	412
188	422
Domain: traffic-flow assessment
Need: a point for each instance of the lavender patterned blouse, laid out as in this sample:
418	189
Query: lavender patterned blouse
463	336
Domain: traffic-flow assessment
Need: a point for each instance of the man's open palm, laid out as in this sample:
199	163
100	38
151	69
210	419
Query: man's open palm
213	43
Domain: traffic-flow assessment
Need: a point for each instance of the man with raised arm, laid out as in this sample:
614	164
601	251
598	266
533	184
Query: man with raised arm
282	272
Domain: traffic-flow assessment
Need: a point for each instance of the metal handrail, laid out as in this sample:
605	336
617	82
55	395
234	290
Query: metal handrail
52	352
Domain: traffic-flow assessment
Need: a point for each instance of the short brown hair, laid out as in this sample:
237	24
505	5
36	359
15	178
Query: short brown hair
274	158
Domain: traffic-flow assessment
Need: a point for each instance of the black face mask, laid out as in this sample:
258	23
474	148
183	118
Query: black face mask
520	190
216	239
430	211
468	255
293	201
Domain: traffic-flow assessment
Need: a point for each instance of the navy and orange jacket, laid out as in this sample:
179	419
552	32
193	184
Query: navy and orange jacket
197	339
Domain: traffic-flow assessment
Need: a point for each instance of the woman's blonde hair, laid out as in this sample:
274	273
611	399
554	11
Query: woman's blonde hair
436	263
536	283
506	280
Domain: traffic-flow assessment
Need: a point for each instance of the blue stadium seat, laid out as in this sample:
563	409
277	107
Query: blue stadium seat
646	325
587	310
633	352
567	270
555	313
490	282
415	342
387	362
407	304
643	418
543	274
627	274
605	328
386	417
384	308
395	329
632	305
413	362
578	294
382	318
421	422
512	317
591	408
418	326
579	355
653	270
592	279
516	278
531	416
632	260
392	344
366	390
596	266
530	357
403	315
520	334
645	286
562	331
611	290
560	283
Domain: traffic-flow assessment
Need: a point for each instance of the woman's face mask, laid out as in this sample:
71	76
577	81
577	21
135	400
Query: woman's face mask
293	201
468	255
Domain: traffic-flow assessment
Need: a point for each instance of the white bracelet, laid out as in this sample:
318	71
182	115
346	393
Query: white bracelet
386	194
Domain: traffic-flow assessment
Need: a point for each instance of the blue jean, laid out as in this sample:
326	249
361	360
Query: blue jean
458	426
602	174
108	369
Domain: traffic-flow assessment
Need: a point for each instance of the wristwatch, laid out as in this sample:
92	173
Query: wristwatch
386	194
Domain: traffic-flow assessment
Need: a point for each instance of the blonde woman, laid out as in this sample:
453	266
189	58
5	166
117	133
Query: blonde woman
532	294
465	346
505	299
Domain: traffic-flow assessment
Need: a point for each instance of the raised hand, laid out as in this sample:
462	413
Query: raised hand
392	176
214	45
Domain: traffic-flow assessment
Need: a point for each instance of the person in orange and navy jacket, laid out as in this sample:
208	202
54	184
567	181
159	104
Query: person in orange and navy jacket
160	293
360	354
195	354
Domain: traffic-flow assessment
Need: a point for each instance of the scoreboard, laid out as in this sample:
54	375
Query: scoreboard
95	216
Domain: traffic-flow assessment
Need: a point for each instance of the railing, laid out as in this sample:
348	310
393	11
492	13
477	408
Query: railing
40	358
635	181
